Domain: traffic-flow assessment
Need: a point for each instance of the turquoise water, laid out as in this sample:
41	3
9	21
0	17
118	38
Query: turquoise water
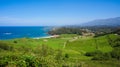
20	32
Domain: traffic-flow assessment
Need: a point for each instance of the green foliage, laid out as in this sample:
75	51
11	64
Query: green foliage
5	46
115	53
100	34
27	60
65	30
98	55
44	51
116	42
59	56
94	53
67	56
27	52
15	41
105	56
117	31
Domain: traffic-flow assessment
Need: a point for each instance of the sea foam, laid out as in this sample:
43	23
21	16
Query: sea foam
7	33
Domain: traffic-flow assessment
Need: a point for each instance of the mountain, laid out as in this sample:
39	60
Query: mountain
104	22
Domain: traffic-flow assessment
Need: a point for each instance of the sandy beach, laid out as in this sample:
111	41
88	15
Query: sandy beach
43	37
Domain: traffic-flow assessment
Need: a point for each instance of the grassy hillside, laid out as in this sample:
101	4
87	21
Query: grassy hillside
67	50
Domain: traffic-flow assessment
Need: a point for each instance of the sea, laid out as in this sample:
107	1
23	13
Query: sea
12	32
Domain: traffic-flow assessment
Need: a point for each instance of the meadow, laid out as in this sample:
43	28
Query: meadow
67	50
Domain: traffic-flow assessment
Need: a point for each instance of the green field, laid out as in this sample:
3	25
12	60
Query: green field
14	51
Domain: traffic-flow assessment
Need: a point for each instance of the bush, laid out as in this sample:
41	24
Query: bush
105	56
15	41
3	63
8	59
93	53
59	55
5	46
116	53
114	42
98	55
66	56
66	30
44	50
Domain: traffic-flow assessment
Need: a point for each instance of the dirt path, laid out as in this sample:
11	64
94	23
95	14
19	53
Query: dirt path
70	40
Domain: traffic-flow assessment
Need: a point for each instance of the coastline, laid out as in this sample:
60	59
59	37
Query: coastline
33	37
16	32
50	36
43	37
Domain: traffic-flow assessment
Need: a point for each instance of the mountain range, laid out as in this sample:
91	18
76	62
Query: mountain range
103	22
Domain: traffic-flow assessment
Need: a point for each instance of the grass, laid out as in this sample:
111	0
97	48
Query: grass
80	45
75	48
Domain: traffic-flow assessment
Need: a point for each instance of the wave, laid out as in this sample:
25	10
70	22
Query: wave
8	33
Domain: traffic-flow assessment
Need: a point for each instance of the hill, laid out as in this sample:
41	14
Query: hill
65	51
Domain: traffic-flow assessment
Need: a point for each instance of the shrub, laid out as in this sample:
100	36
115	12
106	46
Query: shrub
105	56
93	53
44	50
116	53
98	55
114	42
65	30
15	41
66	56
5	46
3	63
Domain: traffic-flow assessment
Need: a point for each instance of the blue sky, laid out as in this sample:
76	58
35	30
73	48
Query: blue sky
55	12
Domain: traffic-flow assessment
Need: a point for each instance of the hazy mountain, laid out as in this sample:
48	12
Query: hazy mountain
104	22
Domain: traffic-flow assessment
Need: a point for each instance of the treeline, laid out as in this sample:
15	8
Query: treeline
114	54
97	30
65	30
117	31
113	31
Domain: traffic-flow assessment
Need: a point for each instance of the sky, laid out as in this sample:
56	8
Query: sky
55	12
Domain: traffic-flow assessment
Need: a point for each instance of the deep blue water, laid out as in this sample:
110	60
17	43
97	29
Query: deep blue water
20	32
